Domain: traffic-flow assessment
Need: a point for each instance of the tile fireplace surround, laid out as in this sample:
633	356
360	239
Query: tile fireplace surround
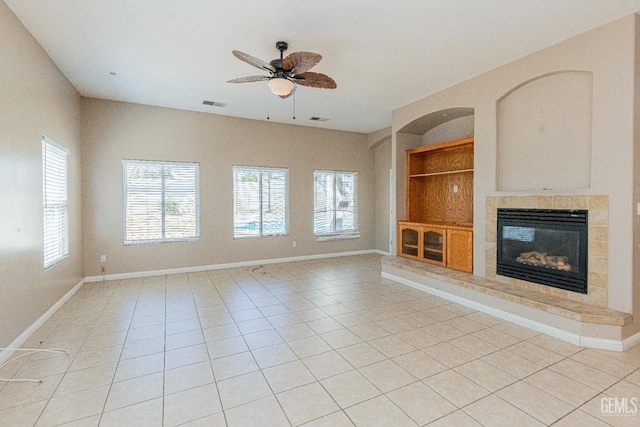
598	207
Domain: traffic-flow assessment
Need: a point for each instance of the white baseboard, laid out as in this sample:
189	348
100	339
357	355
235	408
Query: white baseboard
631	341
383	253
590	342
138	274
24	336
601	343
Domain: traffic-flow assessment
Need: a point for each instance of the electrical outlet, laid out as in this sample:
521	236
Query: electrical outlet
103	258
294	243
455	188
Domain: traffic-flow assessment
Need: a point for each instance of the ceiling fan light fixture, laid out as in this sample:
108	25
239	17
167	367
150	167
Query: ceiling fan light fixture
280	86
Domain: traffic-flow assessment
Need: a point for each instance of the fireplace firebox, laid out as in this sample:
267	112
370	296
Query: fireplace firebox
544	246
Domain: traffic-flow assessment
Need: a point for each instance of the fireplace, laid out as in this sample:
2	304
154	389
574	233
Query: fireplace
545	246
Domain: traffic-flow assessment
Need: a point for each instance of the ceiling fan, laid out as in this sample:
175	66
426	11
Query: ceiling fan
285	73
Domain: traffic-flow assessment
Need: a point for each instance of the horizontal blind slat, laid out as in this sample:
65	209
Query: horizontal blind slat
54	198
260	202
150	186
335	202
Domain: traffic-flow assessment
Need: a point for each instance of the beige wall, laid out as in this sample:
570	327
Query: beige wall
636	178
383	165
113	131
608	52
35	99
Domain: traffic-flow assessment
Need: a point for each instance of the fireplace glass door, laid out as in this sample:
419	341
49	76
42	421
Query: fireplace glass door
544	246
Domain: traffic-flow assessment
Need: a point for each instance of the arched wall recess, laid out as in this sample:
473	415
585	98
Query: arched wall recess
424	124
454	123
544	133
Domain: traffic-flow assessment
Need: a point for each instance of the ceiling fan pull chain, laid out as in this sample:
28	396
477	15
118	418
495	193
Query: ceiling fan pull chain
268	104
294	106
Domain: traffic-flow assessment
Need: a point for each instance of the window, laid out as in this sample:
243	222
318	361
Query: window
335	203
260	202
54	197
161	202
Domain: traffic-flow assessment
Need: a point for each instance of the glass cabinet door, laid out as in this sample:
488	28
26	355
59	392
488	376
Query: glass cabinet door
409	241
433	245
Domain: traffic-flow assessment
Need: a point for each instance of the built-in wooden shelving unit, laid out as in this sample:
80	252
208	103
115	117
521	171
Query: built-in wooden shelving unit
439	205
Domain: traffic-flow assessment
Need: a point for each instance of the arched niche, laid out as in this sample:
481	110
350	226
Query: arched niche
442	125
438	126
544	133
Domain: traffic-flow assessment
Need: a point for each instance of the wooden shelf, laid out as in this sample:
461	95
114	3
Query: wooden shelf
420	175
407	245
439	200
439	185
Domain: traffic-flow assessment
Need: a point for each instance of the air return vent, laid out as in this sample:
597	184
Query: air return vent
214	104
319	119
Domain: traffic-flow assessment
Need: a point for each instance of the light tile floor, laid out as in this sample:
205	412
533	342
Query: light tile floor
314	343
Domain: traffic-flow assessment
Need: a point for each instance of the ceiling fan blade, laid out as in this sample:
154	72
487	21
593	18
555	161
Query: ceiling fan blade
300	62
249	79
290	93
252	60
315	80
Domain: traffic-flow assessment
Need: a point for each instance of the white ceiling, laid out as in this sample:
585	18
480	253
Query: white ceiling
383	54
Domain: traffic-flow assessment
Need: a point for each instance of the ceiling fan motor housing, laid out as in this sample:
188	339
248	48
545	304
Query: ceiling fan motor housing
282	46
277	64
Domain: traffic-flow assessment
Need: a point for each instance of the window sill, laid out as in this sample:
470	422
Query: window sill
157	242
328	238
55	262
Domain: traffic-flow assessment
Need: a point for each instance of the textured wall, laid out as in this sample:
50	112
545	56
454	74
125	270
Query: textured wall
113	131
35	99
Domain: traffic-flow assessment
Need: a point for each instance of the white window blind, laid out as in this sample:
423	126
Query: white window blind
260	205
335	202
54	192
161	202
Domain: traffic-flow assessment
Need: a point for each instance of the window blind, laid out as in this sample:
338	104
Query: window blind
260	206
54	192
161	201
335	202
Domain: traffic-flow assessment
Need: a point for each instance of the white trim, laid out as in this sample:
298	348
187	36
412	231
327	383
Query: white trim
576	339
55	144
195	269
352	233
24	336
125	197
601	343
330	237
383	253
55	173
629	342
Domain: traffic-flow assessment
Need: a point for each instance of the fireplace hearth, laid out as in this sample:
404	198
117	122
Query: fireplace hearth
544	246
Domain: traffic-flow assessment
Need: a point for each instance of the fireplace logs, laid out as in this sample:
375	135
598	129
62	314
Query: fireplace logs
541	259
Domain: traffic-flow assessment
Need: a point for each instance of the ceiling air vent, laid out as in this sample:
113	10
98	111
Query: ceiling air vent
214	104
319	119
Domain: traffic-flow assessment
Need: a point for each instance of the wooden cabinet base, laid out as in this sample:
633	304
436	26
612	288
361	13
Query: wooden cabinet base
440	244
460	250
